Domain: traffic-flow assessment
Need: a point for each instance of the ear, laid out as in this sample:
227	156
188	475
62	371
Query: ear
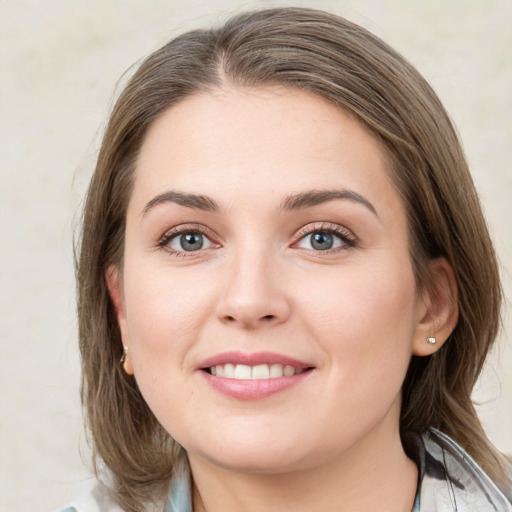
439	311
115	290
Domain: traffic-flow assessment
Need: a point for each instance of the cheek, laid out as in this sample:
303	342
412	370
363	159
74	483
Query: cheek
364	322
364	315
164	319
165	312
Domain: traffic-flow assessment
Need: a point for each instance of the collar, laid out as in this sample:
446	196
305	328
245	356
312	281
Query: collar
449	480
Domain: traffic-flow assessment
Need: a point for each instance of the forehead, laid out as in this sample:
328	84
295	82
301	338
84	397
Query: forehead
269	141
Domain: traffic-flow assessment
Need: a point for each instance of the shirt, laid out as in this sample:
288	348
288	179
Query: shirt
449	480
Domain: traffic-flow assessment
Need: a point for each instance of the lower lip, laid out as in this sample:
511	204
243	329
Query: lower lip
253	389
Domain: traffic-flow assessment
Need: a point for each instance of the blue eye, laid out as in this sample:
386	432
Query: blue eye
188	242
191	241
323	241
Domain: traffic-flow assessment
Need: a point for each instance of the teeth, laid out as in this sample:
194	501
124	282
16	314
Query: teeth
242	372
276	370
229	371
259	372
288	371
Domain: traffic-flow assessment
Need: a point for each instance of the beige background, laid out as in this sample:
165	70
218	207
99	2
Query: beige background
60	61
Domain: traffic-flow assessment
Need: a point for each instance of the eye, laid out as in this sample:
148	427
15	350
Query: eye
322	238
320	241
188	242
182	241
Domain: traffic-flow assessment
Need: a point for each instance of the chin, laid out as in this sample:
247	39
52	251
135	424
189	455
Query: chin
263	454
263	462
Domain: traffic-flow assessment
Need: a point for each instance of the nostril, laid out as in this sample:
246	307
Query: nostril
249	320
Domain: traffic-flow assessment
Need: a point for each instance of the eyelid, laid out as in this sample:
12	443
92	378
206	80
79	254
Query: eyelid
345	234
175	231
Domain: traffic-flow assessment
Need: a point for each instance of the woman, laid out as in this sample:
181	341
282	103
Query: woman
283	246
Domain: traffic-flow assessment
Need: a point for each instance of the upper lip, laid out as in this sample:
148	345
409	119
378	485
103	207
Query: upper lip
254	359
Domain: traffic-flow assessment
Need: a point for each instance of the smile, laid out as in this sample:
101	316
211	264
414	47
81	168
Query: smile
259	372
254	376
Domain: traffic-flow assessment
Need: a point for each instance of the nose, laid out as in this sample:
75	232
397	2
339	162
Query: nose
254	294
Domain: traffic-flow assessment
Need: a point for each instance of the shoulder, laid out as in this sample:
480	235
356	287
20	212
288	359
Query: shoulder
452	480
93	497
96	497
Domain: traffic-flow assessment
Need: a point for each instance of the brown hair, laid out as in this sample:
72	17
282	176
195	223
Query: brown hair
343	63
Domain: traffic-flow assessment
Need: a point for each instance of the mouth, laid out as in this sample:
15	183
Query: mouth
253	376
258	372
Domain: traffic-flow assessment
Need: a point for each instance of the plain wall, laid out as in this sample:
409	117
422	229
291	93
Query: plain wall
60	61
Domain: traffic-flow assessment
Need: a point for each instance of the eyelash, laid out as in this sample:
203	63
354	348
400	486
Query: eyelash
348	239
183	229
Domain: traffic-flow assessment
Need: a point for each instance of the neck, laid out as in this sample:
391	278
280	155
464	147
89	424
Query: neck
374	474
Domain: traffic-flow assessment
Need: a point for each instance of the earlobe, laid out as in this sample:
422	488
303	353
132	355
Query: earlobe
440	311
116	295
126	361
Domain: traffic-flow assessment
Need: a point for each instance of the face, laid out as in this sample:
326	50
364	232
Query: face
268	299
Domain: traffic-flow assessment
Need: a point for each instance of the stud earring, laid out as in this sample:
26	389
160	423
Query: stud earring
123	357
431	340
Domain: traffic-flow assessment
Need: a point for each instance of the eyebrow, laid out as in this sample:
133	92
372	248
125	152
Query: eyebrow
315	197
299	201
197	202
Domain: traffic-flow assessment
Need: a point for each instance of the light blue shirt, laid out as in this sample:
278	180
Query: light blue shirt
449	480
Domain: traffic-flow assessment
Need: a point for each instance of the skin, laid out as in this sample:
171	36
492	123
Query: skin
353	313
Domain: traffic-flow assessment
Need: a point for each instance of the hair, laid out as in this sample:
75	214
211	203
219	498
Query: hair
346	65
